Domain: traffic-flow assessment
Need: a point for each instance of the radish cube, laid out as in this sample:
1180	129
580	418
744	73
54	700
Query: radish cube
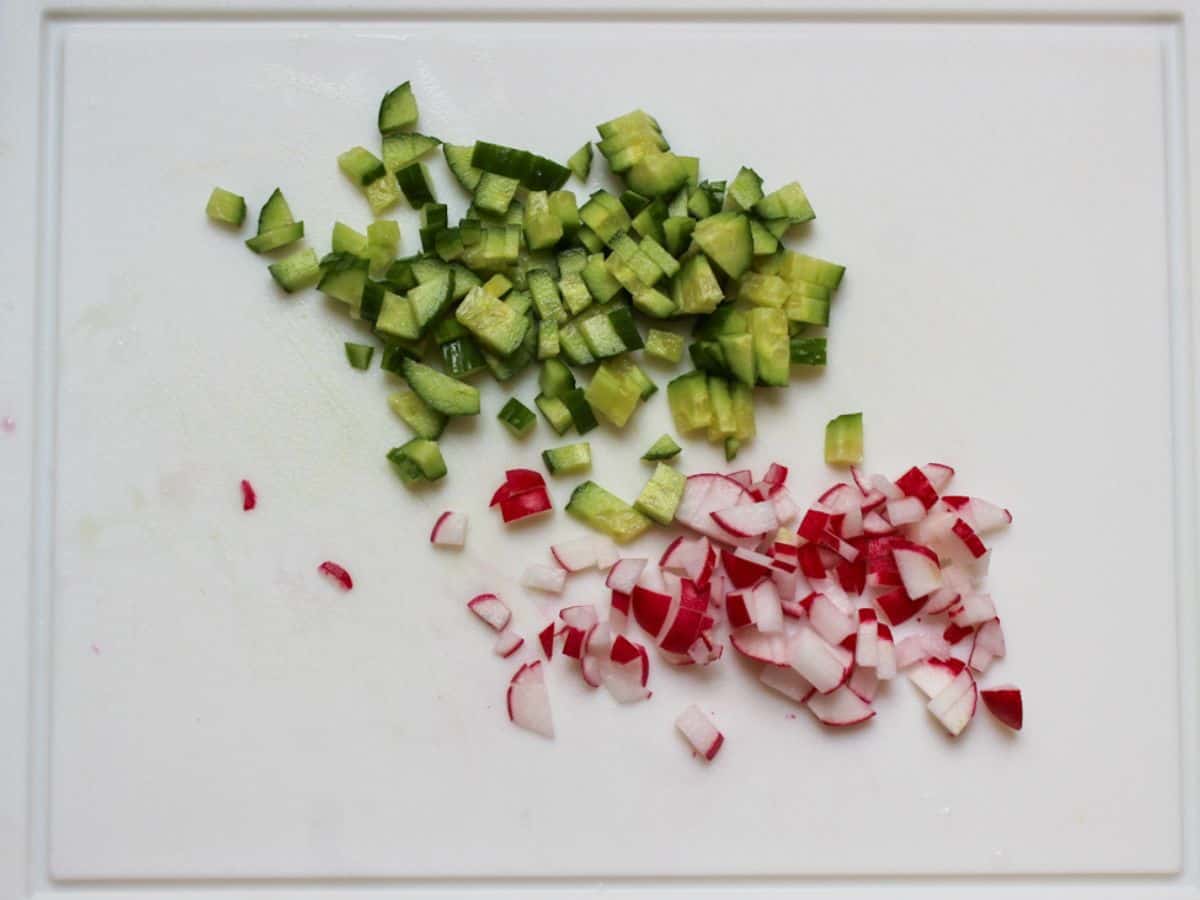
528	700
787	681
490	609
450	530
704	737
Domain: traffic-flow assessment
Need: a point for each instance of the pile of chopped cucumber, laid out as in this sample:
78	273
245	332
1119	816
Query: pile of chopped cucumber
532	275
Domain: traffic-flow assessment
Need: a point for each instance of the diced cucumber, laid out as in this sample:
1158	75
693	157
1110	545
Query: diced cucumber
687	397
807	310
371	304
772	354
659	256
582	415
633	202
709	356
545	295
537	173
745	190
505	367
725	239
396	352
401	149
696	289
459	161
664	345
343	277
612	394
275	213
359	355
639	379
580	162
425	454
722	424
416	184
517	417
361	166
743	412
447	329
276	238
802	288
400	276
664	448
383	240
602	339
738	350
461	358
799	267
568	459
424	422
519	302
654	303
406	468
807	351
447	243
397	110
589	240
765	243
497	286
763	290
657	174
441	392
607	513
548	346
382	194
542	228
296	271
600	283
628	122
572	262
621	319
494	193
648	222
495	324
566	210
431	298
844	440
660	497
677	233
226	207
604	214
555	379
464	280
575	294
727	319
789	202
572	345
555	412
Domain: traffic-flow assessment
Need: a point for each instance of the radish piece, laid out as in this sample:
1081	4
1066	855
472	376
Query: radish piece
739	609
787	681
618	611
582	616
886	487
650	608
704	652
624	574
753	644
875	524
966	534
981	515
745	567
919	574
955	583
691	558
897	606
829	499
747	519
955	633
576	555
919	646
683	630
550	579
914	484
905	511
864	682
625	684
881	564
852	576
707	493
507	643
862	481
517	482
885	666
954	705
450	530
249	497
1004	702
607	553
852	523
934	674
529	701
573	642
546	639
718	587
972	609
825	666
839	708
866	644
768	614
776	474
704	737
594	655
938	475
829	621
522	506
793	608
988	646
492	610
786	509
337	573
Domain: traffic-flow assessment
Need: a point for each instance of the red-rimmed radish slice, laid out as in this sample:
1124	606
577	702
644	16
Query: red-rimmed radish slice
852	523
688	557
786	681
886	486
529	701
874	525
881	565
810	561
718	587
1004	702
776	474
575	555
704	494
768	613
969	539
938	475
830	499
336	573
921	645
914	484
954	705
606	553
249	497
618	611
897	606
866	644
650	608
747	520
744	477
581	615
507	643
828	620
932	675
753	644
864	682
684	629
906	511
450	530
700	732
624	683
522	506
549	579
546	639
624	574
981	515
492	610
972	609
919	574
745	567
593	658
885	665
786	509
839	708
517	482
988	646
852	576
791	605
704	651
825	666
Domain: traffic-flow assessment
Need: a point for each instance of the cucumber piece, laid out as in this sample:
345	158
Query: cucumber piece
696	289
424	422
566	210
517	417
427	268
743	412
226	207
763	290
664	345
621	320
660	497
407	469
361	166
588	239
654	303
738	350
545	295
497	286
628	122
555	379
677	233
789	202
807	310
807	351
461	358
764	242
658	255
447	329
772	354
607	513
396	352
601	337
359	355
459	161
725	239
687	397
542	227
648	222
657	174
440	392
296	271
575	294
555	413
612	394
599	281
495	193
464	281
664	448
708	356
572	262
397	110
726	319
276	238
732	445
568	459
777	227
604	214
275	213
844	440
416	184
400	277
343	277
722	424
401	149
447	244
572	345
500	160
396	318
371	303
424	454
547	339
431	298
382	194
519	302
799	267
582	415
701	203
495	324
644	269
640	380
383	240
580	162
633	202
809	289
744	191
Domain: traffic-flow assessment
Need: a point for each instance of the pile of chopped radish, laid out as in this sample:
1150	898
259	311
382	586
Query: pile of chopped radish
876	577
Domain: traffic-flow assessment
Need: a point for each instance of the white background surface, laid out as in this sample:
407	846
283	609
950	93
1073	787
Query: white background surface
998	193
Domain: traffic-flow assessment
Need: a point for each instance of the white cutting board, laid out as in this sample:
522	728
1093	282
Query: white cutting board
1006	192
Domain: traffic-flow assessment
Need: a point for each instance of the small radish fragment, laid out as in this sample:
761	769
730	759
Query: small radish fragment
866	643
776	474
840	707
897	606
954	705
966	534
828	620
747	519
919	574
955	633
492	610
575	555
546	639
650	608
972	609
934	674
786	509
508	643
624	574
704	737
824	665
693	558
914	484
874	524
864	682
1004	702
743	477
745	567
529	701
336	573
981	515
623	682
582	616
885	666
905	511
517	482
920	646
787	681
754	644
938	475
703	495
549	579
525	505
811	563
886	487
618	611
450	530
768	613
249	497
606	552
573	642
988	645
740	609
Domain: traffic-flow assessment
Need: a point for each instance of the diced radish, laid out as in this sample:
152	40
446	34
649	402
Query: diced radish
575	555
814	527
852	576
787	681
550	579
811	562
866	643
839	708
914	484
744	477
934	674
652	580
606	552
886	487
776	474
704	737
546	639
508	643
745	567
822	664
754	644
718	588
524	505
955	633
791	605
573	641
954	705
491	609
897	606
768	615
690	557
450	530
981	515
594	655
864	682
852	523
624	574
618	611
650	608
988	646
336	573
919	574
582	616
529	701
966	534
1004	702
625	684
919	646
704	651
905	511
881	564
829	621
517	482
875	524
972	609
249	497
885	666
938	475
684	628
705	494
786	509
740	609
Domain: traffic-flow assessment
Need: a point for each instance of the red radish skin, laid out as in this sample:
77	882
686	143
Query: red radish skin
840	708
336	573
522	506
809	559
969	538
528	701
508	643
705	738
913	483
450	530
744	477
738	610
932	675
650	609
492	610
1004	702
546	639
897	606
573	643
955	633
938	475
249	497
776	474
753	644
745	568
787	681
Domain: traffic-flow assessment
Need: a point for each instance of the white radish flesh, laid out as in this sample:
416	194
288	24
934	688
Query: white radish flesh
972	609
491	609
768	612
576	555
624	574
830	621
787	681
954	706
507	643
919	574
905	511
822	664
704	737
839	708
450	530
988	645
550	579
529	701
747	519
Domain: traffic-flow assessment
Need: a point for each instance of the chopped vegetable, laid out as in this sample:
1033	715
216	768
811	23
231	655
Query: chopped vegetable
580	162
664	345
297	271
425	422
249	497
397	110
419	459
337	573
359	355
607	513
660	497
517	417
844	440
664	448
226	207
569	459
276	227
450	530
